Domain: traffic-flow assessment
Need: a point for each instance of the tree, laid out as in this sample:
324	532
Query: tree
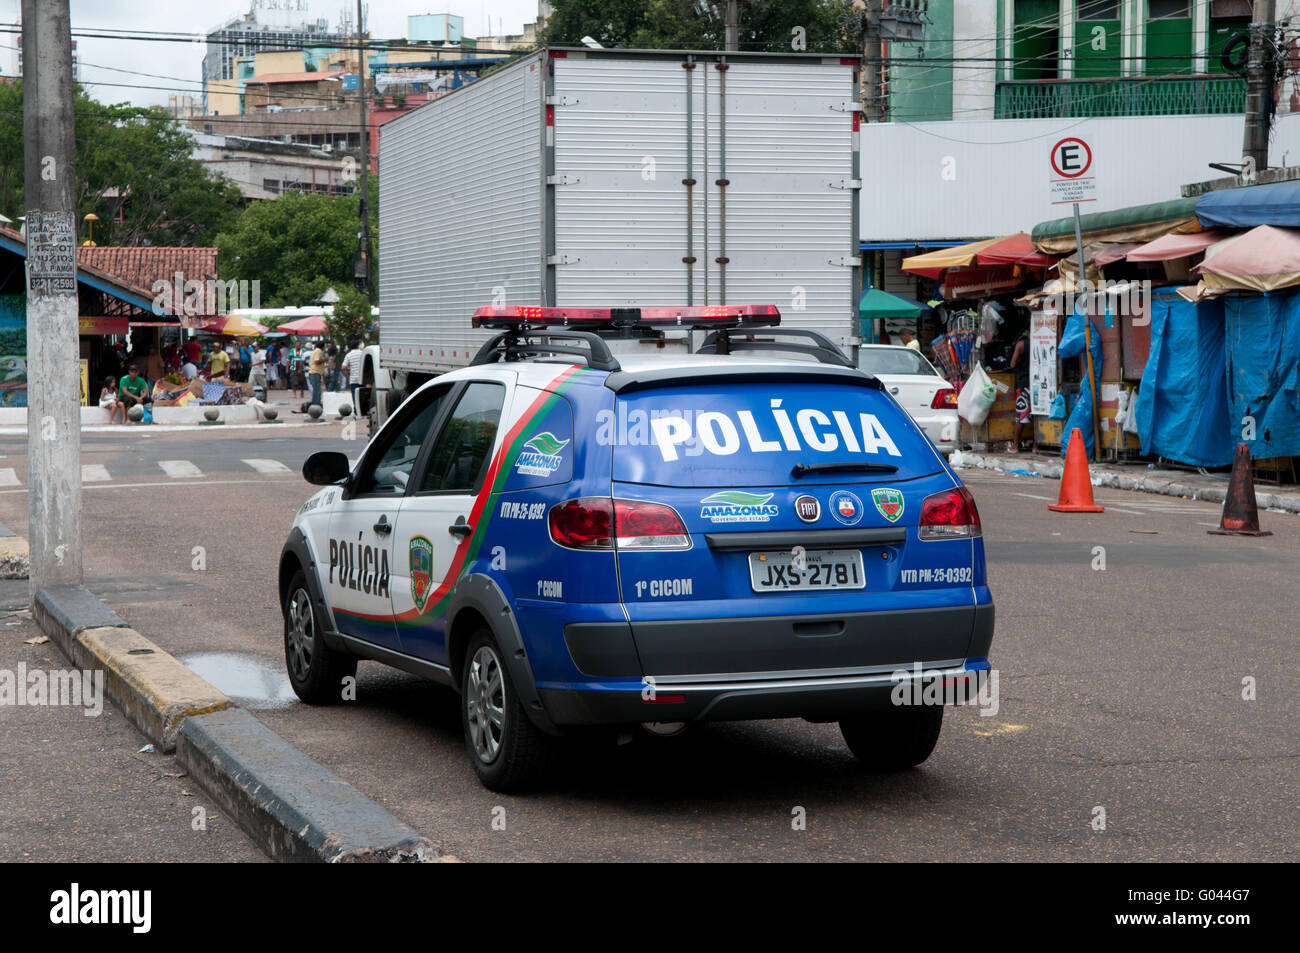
351	319
145	156
297	246
765	25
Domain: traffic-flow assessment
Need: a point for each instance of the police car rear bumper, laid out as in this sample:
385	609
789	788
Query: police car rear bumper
824	666
815	697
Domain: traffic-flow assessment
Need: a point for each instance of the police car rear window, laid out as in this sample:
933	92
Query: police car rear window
773	434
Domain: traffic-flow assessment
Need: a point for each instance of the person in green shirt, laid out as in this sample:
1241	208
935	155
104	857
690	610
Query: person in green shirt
131	390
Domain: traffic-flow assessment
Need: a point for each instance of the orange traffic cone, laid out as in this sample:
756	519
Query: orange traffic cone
1076	487
1240	514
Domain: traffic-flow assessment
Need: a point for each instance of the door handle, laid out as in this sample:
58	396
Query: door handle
383	527
460	528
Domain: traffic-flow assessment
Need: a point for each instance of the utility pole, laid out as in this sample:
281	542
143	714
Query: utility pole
1259	87
871	63
362	269
731	26
53	366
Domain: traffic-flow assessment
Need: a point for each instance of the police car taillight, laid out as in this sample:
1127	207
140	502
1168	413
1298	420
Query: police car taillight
950	515
519	317
586	524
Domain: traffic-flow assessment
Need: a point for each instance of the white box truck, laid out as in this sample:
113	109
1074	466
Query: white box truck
613	178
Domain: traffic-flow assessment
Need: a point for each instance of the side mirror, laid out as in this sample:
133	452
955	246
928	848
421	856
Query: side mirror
326	467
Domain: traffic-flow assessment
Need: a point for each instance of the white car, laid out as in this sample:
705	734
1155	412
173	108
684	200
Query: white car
920	389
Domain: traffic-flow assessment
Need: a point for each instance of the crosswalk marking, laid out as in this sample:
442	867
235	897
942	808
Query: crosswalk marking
8	477
94	473
268	466
180	469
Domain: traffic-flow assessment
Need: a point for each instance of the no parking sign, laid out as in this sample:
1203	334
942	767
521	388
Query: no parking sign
1072	180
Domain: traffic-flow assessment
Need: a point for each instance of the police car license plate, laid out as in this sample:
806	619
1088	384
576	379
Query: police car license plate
820	569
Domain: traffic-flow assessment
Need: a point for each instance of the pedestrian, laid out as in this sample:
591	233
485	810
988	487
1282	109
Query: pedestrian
245	361
193	351
316	372
232	353
296	371
1020	364
108	400
352	362
219	362
257	367
272	367
131	390
909	341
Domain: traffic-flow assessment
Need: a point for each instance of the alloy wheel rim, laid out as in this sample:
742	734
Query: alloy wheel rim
302	635
485	704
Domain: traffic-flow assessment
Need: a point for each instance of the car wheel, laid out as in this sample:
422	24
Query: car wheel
507	750
893	739
316	671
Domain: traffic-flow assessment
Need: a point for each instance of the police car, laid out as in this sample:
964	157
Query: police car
572	537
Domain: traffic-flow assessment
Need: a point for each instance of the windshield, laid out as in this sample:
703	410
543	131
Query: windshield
893	360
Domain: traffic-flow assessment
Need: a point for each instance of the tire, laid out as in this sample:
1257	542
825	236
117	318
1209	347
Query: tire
893	739
1235	53
507	750
316	671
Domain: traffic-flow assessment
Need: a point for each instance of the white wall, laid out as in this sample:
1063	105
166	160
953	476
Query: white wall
976	179
974	85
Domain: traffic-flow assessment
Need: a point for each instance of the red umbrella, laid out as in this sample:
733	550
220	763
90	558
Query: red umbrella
1015	249
315	324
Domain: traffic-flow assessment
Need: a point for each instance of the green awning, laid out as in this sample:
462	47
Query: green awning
875	303
1134	223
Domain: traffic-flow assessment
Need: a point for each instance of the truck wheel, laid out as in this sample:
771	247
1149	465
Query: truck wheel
508	752
372	413
316	671
893	739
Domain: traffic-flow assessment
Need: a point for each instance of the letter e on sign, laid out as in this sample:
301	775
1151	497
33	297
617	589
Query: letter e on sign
1072	179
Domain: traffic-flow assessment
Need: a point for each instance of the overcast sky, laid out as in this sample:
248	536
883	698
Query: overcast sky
179	62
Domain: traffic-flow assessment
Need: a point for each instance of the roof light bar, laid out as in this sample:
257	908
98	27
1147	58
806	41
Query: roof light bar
520	317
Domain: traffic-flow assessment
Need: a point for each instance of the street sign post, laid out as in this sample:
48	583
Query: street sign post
1071	183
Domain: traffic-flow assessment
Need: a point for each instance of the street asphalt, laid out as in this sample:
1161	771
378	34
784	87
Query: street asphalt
1121	690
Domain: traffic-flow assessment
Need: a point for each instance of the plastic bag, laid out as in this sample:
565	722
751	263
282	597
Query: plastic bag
1058	410
977	397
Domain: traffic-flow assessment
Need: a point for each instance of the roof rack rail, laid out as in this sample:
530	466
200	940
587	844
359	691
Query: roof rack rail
524	343
724	341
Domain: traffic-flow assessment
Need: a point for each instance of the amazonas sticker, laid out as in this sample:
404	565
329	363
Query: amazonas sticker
421	571
541	455
889	501
737	506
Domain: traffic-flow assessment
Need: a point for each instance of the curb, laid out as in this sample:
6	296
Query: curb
15	556
156	692
292	807
1108	478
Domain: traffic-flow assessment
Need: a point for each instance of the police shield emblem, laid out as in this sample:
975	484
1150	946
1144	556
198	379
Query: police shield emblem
889	501
421	571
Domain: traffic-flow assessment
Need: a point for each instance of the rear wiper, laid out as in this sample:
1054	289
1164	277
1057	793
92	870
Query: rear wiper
801	468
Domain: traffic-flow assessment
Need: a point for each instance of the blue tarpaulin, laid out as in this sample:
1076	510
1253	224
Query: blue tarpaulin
1073	340
1263	371
1182	406
1275	204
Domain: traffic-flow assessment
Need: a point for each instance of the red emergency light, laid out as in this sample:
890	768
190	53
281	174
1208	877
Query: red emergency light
523	317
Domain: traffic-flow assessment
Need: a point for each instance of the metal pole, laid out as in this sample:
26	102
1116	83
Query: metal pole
1259	86
365	159
731	26
1082	289
872	103
53	367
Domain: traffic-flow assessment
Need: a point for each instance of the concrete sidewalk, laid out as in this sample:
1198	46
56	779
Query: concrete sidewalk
1139	476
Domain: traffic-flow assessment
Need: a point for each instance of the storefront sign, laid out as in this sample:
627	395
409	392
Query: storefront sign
92	324
1042	362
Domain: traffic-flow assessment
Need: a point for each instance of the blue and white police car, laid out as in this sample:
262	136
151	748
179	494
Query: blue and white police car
571	538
